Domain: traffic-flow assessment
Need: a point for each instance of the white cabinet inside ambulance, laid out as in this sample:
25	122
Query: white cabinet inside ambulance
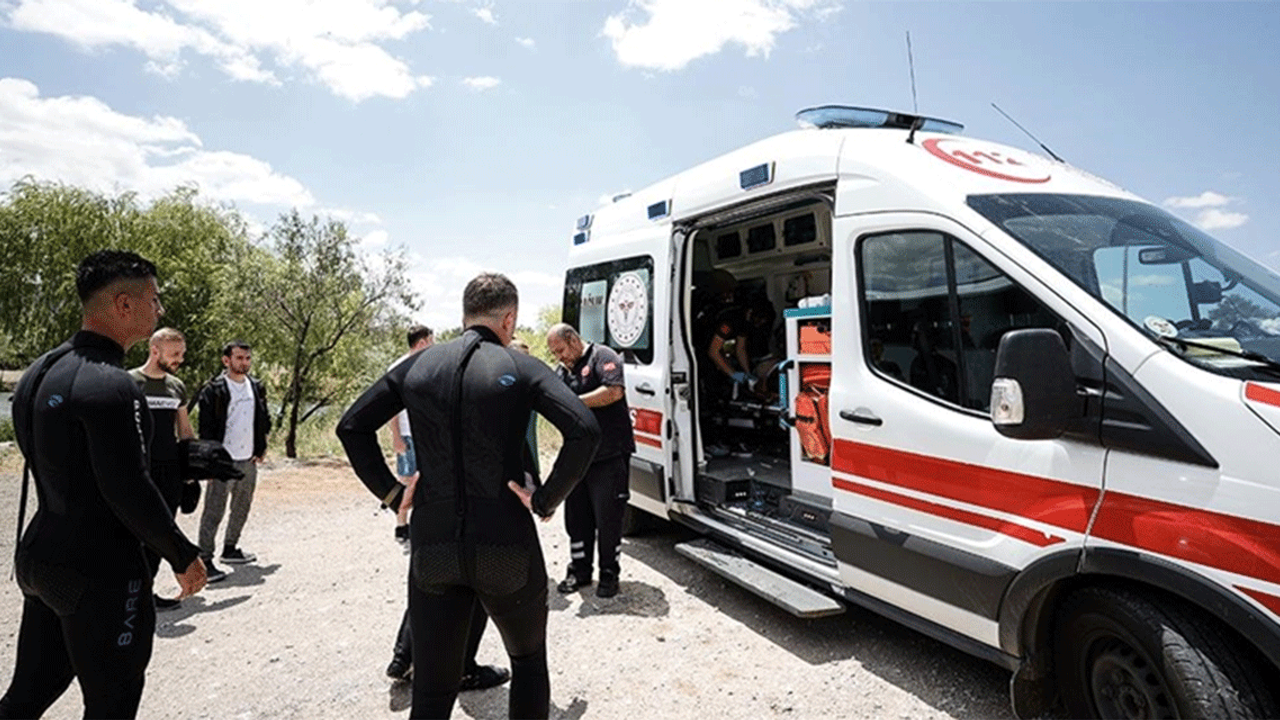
986	394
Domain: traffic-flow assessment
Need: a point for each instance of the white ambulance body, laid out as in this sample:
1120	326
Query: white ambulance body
1123	496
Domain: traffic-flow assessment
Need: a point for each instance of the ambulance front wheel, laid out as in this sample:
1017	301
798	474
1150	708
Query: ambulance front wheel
1121	654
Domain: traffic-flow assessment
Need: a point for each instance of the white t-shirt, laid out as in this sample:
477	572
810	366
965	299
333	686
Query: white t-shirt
239	435
403	418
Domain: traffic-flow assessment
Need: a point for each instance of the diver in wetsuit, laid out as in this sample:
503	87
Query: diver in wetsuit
83	426
471	533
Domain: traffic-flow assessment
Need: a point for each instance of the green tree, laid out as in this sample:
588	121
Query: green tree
329	313
1233	308
536	336
47	228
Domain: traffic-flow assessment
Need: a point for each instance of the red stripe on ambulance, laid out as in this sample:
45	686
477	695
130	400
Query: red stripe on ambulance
648	426
1261	393
1226	542
1056	503
1004	527
1270	602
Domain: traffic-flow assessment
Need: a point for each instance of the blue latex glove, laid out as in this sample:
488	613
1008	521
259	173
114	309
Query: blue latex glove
741	377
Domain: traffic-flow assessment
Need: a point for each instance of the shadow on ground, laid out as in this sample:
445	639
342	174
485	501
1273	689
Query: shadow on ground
490	703
245	576
173	623
947	679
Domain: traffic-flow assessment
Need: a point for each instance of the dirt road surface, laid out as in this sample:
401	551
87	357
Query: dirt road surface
306	632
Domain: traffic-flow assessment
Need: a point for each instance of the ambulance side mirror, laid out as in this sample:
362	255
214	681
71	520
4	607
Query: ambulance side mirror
1033	395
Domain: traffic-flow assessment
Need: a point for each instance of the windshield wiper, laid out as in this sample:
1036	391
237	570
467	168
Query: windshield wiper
1266	362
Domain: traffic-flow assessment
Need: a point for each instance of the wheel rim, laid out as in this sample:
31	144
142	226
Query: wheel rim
1125	684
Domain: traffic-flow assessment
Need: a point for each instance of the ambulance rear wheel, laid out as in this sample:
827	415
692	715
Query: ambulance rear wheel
1119	654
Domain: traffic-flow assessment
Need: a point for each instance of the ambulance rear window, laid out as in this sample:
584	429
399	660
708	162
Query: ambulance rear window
761	238
799	230
728	245
611	303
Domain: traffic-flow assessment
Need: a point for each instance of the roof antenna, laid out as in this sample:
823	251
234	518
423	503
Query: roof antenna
1044	147
911	63
915	106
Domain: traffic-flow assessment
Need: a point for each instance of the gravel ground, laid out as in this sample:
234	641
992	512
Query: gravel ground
306	632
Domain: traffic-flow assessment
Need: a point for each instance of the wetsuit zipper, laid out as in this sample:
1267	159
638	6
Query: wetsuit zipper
460	476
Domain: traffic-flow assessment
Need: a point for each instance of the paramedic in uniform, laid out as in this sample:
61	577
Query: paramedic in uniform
471	532
593	512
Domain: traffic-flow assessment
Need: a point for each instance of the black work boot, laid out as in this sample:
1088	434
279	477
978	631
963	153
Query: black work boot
608	586
573	580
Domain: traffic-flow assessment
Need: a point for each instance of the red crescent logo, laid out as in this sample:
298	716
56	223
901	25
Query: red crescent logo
986	160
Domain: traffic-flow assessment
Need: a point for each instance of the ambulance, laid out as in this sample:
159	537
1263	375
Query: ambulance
990	395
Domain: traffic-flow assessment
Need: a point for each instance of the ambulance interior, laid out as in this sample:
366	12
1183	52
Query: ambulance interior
764	444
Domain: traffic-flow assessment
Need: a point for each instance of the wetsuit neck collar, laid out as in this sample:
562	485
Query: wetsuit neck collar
89	338
486	333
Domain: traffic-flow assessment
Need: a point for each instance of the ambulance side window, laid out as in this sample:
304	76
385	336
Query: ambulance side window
611	303
934	311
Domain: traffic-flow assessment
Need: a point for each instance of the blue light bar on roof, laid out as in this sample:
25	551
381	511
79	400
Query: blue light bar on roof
659	209
845	116
580	238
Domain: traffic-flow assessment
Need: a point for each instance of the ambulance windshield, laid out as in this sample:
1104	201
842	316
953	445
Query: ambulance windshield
1213	306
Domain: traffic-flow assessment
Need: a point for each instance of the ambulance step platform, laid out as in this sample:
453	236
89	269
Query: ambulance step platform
797	599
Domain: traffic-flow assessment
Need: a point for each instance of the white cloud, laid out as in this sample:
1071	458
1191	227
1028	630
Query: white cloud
439	283
373	241
337	43
1210	215
485	14
350	217
480	84
526	42
672	33
1208	198
1150	281
1215	219
83	142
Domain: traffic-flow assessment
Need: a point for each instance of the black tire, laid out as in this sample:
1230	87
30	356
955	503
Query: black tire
1121	654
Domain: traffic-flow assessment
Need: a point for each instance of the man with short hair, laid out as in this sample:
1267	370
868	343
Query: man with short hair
166	398
233	411
83	428
593	511
420	338
472	533
474	676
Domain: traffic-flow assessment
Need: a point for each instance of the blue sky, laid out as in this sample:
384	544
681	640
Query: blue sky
474	133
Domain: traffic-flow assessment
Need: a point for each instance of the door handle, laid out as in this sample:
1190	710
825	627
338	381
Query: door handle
646	389
861	419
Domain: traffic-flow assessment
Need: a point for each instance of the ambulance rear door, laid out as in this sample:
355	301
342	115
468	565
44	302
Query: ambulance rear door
623	302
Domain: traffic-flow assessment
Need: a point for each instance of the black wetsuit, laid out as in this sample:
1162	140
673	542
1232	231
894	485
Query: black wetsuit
87	609
469	402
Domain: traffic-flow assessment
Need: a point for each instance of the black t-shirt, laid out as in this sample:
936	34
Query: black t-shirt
164	397
600	366
732	323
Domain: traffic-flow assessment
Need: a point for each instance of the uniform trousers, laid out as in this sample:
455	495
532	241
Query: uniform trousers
593	514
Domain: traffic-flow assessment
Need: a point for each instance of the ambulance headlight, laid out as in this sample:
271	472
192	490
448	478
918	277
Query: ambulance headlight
1007	407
